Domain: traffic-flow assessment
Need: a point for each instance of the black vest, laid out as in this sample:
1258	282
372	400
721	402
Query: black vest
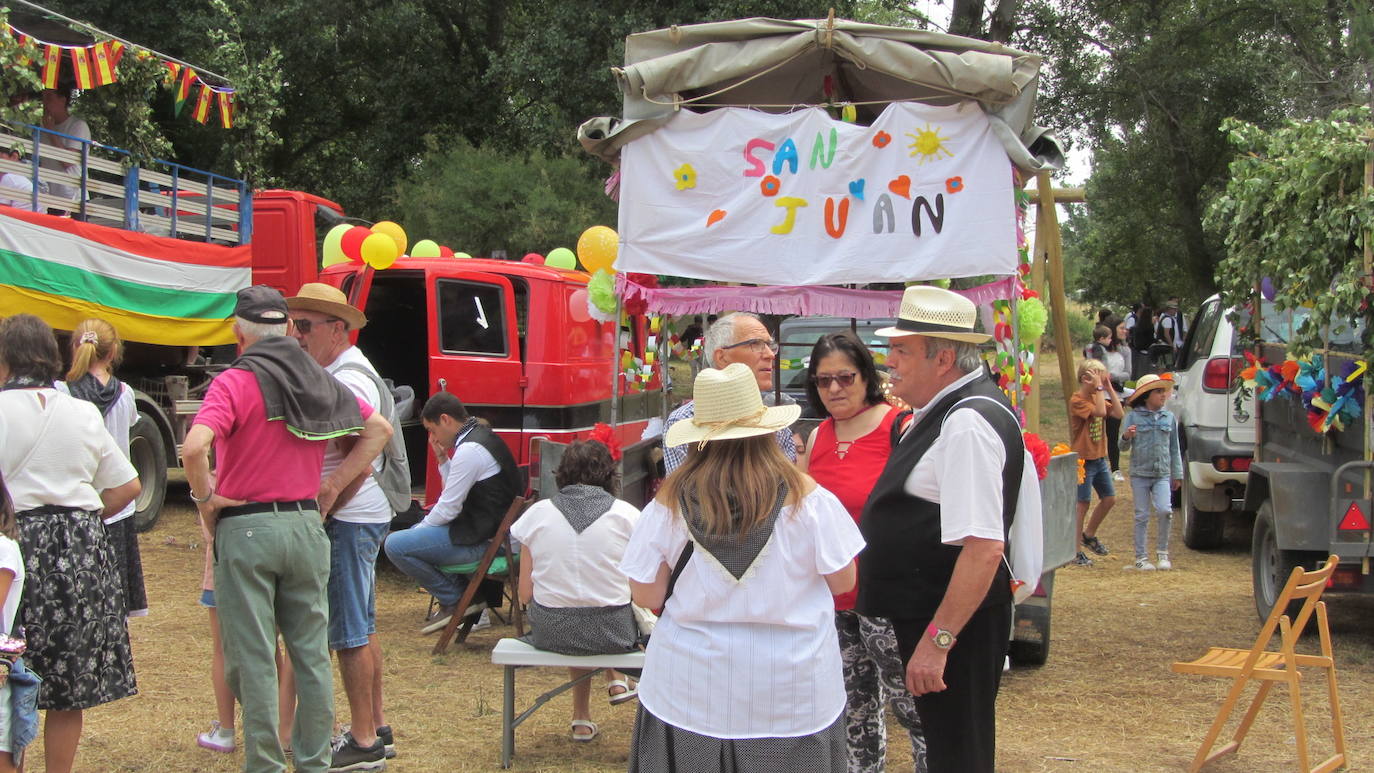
490	498
905	570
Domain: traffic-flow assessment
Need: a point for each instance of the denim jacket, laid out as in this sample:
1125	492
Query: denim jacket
1155	453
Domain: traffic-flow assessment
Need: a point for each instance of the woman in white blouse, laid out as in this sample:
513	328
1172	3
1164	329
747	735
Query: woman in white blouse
743	670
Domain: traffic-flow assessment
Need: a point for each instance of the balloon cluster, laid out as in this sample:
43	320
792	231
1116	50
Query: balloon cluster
377	246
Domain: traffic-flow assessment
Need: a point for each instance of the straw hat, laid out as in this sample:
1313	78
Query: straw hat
937	313
728	406
326	299
1148	383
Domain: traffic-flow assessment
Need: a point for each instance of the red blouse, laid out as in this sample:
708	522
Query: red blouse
851	477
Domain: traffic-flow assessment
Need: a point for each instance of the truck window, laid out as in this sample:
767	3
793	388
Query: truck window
1203	331
472	318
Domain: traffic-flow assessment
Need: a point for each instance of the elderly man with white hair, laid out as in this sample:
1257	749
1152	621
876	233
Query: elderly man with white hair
738	337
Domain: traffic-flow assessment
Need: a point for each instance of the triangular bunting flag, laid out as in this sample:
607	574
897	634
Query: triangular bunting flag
52	66
202	111
226	109
188	77
173	70
81	66
106	56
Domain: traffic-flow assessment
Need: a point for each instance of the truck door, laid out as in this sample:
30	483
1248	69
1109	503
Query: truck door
474	347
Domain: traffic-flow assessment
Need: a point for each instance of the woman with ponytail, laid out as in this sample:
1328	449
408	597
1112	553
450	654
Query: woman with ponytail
96	350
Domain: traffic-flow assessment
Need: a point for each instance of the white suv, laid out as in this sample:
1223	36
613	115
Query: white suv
1217	431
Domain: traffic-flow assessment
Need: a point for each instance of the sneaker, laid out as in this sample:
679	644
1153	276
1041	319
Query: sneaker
218	739
482	622
348	755
1164	563
1081	560
388	740
445	614
1095	545
1116	476
1141	565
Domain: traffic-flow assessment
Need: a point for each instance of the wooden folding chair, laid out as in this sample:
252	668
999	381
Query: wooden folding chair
499	541
1270	666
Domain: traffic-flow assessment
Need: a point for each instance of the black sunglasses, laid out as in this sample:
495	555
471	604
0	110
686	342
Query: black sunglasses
304	325
845	379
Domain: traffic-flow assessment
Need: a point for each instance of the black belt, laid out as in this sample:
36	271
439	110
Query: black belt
296	505
50	510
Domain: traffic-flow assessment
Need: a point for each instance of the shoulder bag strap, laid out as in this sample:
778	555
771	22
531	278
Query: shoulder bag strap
682	560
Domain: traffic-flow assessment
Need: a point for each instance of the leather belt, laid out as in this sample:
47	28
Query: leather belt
297	505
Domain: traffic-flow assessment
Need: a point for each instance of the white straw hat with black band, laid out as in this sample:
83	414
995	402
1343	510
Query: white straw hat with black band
938	313
727	406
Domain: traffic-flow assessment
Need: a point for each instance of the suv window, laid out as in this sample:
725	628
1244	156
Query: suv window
471	318
1200	337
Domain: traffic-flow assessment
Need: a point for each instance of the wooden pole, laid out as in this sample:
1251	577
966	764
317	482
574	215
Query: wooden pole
1062	195
1054	260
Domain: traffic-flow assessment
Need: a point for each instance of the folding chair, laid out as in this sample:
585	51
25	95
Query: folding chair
500	541
1269	666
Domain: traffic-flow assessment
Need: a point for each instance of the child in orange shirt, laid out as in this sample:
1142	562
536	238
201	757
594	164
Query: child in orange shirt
1089	407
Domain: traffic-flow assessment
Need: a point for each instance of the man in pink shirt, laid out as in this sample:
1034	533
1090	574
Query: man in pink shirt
267	418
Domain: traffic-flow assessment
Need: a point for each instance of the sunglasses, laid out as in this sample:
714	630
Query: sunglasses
304	325
756	345
845	379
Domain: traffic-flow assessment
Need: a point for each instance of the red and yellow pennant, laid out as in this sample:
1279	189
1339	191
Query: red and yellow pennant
202	111
106	56
226	109
52	66
188	78
173	70
81	67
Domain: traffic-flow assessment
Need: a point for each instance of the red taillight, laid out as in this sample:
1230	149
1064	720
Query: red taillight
1345	578
1217	373
1232	463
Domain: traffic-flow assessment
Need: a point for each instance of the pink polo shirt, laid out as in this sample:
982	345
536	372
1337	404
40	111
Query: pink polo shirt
258	460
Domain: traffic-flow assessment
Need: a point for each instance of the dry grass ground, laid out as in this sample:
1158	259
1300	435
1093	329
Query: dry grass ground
1106	701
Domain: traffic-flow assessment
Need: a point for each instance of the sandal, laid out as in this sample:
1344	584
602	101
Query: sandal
584	737
627	693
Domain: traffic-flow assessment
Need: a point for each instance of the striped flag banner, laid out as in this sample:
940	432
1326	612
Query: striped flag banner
81	66
106	55
202	111
226	109
188	77
52	66
151	288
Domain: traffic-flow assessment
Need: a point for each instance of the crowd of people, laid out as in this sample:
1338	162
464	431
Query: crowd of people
803	585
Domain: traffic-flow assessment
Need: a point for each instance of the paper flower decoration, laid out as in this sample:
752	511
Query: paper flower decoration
1040	453
685	177
1032	317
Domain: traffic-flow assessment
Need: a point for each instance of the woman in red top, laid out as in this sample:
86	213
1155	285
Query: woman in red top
845	454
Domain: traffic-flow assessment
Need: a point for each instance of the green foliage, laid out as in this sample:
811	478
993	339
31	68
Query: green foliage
1080	328
1296	210
479	200
17	74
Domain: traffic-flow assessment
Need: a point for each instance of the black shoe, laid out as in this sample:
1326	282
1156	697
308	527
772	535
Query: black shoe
388	740
1095	545
349	756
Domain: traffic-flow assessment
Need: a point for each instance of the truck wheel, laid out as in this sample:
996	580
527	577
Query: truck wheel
149	457
1270	566
1030	644
1201	530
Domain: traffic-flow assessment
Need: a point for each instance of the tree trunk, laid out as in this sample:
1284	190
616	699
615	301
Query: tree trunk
1003	21
967	18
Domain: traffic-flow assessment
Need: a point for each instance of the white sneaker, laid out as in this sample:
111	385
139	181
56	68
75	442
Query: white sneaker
218	739
1141	564
1164	563
1116	476
482	622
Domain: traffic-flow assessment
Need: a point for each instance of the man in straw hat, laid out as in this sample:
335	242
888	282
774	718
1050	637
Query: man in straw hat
321	321
936	525
268	417
739	337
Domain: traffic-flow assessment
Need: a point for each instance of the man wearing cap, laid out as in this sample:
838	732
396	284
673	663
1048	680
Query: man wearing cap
937	523
321	319
738	337
1172	329
267	417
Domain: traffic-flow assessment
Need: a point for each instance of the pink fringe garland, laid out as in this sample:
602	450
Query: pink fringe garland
805	301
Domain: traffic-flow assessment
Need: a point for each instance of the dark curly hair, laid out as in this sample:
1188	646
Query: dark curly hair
588	462
28	349
848	344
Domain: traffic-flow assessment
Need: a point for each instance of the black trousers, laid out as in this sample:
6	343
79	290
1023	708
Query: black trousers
960	723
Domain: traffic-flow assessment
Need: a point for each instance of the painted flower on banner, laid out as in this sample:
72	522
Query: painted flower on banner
928	145
881	139
685	177
770	185
954	184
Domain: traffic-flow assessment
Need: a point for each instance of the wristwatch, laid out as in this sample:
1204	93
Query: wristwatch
940	637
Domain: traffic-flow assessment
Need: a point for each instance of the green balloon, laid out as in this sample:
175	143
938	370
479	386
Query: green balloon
561	257
462	256
425	248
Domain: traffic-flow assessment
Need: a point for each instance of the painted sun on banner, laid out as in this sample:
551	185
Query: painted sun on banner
739	195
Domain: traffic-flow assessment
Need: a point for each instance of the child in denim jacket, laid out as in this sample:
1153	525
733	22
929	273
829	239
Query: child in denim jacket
1156	464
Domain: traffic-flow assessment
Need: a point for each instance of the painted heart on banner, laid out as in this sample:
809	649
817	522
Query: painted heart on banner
901	186
856	189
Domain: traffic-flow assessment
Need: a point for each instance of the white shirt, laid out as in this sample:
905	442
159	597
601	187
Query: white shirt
12	560
121	418
754	658
17	191
370	504
471	463
74	127
75	457
577	570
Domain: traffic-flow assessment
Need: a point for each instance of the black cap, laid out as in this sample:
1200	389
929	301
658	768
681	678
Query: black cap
261	303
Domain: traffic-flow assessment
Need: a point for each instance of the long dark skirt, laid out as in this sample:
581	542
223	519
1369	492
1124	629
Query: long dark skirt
124	540
662	748
74	611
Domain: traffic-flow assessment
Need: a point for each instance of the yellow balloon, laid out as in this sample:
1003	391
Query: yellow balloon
396	232
379	251
425	248
597	248
333	249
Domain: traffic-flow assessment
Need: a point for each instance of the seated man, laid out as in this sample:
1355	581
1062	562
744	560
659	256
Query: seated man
16	190
480	480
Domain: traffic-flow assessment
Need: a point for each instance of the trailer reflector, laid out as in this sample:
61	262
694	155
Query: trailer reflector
1354	519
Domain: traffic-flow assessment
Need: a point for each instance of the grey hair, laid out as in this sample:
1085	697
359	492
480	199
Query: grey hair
721	333
259	330
966	356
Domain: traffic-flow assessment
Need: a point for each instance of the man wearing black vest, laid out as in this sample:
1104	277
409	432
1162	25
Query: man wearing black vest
480	480
936	525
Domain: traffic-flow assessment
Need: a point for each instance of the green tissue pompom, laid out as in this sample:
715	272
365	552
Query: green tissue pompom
1032	316
602	291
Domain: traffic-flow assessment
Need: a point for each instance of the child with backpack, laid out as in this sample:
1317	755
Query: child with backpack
1156	465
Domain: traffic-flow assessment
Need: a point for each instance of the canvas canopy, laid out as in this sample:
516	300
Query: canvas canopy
776	66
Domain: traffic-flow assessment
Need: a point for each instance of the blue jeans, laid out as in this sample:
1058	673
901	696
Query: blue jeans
419	552
1150	491
352	593
1097	474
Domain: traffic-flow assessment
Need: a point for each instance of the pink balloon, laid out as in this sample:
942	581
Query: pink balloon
577	306
534	258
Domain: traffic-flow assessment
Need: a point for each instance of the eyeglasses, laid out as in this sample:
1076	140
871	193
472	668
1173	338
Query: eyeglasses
756	345
304	325
845	379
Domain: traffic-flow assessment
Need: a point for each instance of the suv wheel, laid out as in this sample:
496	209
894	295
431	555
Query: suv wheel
1270	566
1201	530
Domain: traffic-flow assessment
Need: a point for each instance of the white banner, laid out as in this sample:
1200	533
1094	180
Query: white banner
802	199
